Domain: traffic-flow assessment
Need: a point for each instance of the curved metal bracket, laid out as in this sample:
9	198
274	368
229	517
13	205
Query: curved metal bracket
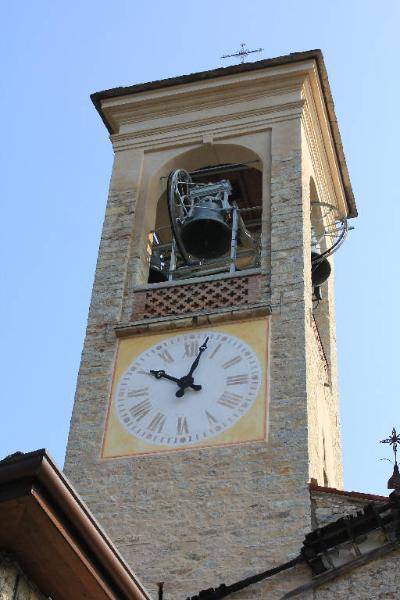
179	205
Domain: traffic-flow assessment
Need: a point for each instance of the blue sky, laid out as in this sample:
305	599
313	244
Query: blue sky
56	162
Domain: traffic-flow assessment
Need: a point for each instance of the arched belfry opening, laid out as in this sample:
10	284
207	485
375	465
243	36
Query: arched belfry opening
208	215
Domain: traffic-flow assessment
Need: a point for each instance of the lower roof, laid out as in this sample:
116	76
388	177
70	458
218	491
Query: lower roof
53	536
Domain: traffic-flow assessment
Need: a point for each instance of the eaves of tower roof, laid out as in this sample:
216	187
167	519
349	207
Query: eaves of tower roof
295	57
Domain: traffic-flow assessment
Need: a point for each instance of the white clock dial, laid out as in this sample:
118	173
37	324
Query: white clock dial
229	374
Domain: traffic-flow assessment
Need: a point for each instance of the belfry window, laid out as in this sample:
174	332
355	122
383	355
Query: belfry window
208	221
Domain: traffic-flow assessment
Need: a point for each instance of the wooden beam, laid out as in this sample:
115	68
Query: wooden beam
334	573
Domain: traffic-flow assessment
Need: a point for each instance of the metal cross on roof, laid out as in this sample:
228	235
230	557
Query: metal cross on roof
393	440
243	53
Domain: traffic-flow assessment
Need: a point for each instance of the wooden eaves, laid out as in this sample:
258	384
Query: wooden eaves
54	538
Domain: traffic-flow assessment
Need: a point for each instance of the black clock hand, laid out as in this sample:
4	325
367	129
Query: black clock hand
187	380
183	382
197	359
163	375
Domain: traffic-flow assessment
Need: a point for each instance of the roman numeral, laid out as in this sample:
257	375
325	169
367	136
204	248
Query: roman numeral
232	362
230	400
237	379
166	357
214	352
138	411
211	419
157	423
191	348
182	426
137	393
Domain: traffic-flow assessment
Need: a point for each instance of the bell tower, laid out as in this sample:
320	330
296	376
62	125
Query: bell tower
207	395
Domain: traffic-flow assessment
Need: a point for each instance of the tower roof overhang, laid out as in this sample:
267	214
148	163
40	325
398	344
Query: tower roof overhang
99	99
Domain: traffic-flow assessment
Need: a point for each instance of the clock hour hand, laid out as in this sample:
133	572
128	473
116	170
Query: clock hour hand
183	382
163	375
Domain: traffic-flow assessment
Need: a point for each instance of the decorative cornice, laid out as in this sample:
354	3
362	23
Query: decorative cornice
180	104
326	168
213	76
201	318
326	192
223	126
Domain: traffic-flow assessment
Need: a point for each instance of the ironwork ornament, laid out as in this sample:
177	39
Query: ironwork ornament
393	440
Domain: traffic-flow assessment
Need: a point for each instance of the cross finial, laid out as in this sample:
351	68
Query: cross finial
393	440
243	53
394	481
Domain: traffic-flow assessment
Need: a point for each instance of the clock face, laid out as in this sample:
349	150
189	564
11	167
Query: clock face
156	407
146	401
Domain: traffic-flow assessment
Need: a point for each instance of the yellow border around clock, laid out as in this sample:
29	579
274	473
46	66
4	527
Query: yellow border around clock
252	427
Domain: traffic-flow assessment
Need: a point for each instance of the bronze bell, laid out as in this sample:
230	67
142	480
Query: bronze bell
320	269
206	234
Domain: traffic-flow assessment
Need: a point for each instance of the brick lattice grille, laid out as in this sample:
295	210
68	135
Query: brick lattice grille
181	299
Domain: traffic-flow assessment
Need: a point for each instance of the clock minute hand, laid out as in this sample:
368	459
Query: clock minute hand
197	359
187	380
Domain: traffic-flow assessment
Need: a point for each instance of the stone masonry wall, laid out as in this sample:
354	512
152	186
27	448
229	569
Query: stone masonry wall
14	585
95	373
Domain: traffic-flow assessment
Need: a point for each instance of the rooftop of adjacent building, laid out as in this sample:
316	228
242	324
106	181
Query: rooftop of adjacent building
72	554
351	495
54	539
